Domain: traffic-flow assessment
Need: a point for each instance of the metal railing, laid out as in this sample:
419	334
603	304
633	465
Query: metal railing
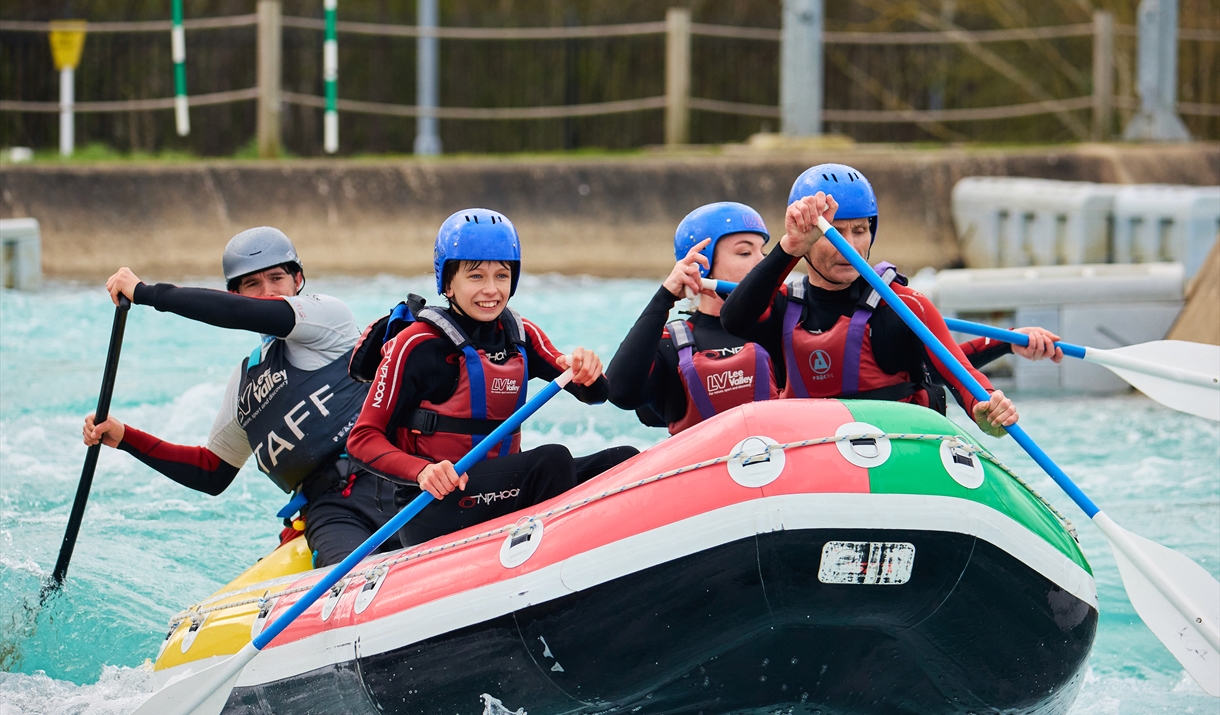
1102	100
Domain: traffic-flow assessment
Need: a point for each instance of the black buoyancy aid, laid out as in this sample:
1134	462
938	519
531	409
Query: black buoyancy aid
296	421
487	393
718	380
839	362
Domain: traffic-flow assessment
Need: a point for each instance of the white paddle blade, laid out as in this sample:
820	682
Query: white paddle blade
1180	632
1191	399
1179	354
202	693
1161	376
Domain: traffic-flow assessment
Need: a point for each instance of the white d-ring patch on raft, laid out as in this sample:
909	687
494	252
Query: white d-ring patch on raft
962	463
752	464
264	611
521	543
867	451
191	632
372	584
333	598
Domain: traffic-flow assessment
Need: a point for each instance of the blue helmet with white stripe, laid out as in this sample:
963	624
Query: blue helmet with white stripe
715	221
476	235
849	187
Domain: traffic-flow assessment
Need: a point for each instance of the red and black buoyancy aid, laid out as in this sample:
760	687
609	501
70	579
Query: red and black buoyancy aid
839	362
718	380
487	393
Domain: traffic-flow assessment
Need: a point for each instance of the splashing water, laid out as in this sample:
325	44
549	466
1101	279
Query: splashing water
492	706
149	546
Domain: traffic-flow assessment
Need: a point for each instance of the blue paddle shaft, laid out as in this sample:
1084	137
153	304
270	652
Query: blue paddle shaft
1008	336
959	371
408	512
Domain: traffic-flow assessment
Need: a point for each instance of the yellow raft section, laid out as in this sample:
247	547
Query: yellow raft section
225	628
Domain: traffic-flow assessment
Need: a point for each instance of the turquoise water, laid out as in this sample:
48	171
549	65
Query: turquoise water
149	547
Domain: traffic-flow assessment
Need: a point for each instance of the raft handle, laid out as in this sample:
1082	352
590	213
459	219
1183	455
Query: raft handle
866	447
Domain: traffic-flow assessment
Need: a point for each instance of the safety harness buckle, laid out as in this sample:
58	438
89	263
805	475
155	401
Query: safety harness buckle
423	421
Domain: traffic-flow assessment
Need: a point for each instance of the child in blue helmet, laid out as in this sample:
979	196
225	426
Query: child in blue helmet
681	373
455	374
836	337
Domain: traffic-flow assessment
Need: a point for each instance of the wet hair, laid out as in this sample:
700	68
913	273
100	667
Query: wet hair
451	269
292	268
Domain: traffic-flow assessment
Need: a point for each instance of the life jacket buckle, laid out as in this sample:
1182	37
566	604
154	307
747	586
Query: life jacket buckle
423	421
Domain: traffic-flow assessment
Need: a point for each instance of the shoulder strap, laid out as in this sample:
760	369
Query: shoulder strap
855	331
514	326
796	289
256	355
888	273
681	334
440	320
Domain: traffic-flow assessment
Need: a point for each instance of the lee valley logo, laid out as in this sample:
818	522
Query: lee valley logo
260	388
726	381
505	386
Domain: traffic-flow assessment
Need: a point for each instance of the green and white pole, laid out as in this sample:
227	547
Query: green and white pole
182	115
330	76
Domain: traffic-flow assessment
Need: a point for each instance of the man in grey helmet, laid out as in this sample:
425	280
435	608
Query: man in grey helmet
291	403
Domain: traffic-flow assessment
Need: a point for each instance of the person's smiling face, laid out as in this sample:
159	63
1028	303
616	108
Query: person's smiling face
481	289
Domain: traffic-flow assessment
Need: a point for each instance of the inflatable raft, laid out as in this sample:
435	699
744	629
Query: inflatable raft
805	556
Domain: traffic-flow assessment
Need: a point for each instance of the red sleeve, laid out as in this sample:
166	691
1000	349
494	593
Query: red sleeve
974	347
544	349
370	442
197	468
544	364
931	317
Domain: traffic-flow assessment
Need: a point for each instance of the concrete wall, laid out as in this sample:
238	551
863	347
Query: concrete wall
602	216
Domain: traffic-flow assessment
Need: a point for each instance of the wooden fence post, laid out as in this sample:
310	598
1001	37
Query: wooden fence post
270	47
1103	74
677	76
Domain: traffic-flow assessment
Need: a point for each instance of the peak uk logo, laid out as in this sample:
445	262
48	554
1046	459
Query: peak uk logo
819	362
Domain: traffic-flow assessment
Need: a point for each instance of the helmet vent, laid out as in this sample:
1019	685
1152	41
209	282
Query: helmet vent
467	219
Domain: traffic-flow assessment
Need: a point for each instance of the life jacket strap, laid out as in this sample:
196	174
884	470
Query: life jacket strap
425	421
794	315
855	330
684	340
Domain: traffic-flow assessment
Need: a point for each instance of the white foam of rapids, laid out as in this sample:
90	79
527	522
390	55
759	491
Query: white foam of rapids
119	691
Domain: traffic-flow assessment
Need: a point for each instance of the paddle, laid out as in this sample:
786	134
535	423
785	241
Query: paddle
86	475
1168	371
205	692
1177	598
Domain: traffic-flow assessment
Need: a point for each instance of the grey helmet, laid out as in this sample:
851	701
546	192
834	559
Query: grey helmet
257	249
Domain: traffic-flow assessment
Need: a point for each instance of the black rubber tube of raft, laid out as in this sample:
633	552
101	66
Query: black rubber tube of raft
86	475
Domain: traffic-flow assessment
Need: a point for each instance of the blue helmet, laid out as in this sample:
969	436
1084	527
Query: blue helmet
848	186
476	235
715	221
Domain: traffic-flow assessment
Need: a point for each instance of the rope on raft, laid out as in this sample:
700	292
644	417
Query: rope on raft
198	612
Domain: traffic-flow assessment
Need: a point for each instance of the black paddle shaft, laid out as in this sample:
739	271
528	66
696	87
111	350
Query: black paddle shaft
86	475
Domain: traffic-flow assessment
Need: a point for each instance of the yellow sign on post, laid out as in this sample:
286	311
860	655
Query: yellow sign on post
67	40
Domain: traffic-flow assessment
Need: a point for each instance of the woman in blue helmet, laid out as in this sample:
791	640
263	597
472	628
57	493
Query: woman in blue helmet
836	337
455	374
680	373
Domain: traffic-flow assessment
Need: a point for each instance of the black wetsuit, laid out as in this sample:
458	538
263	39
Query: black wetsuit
660	398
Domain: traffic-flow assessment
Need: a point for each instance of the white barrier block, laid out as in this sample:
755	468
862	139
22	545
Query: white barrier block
1007	289
1156	222
20	253
1007	221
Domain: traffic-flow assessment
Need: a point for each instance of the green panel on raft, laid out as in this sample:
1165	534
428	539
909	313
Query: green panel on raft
999	490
